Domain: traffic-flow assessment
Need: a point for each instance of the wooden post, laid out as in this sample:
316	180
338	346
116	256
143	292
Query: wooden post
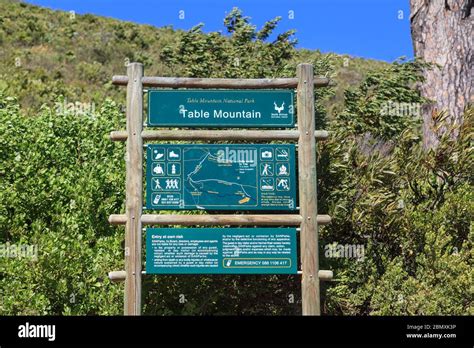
307	191
134	158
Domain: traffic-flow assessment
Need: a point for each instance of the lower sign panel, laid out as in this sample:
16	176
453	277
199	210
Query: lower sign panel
221	251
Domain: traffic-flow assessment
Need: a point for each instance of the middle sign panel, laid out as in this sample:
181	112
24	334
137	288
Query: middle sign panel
221	177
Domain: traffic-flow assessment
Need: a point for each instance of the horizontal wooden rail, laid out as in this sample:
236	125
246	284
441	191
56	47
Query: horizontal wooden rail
119	276
325	275
192	82
221	220
230	135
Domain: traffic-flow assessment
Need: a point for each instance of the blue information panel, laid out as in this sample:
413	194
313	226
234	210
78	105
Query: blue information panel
221	108
221	251
221	177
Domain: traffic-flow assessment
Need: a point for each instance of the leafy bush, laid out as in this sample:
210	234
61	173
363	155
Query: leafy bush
367	106
60	177
412	211
246	53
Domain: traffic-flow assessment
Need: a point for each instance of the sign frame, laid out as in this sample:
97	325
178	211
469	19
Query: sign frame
307	218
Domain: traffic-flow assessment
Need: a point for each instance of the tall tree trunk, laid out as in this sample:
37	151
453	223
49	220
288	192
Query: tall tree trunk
442	34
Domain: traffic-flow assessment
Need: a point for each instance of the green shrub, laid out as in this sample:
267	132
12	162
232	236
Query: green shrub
60	179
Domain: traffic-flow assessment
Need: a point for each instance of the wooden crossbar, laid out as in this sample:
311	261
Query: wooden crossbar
221	135
192	82
219	220
119	276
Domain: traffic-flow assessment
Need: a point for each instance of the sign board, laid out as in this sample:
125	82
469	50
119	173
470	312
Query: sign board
221	251
221	108
221	177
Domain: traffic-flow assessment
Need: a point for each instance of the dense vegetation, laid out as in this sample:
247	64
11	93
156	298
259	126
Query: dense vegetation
60	175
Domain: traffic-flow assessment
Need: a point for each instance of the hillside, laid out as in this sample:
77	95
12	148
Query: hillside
46	55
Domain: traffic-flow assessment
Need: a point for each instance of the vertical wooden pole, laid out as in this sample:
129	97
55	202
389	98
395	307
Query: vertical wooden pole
134	190
307	191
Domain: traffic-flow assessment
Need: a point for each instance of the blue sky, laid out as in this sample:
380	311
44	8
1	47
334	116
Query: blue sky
378	29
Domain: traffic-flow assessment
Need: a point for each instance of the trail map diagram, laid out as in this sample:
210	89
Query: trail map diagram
210	179
221	177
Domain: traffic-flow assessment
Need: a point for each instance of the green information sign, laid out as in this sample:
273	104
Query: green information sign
221	251
221	177
221	108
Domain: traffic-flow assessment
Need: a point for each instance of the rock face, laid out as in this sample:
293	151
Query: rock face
442	34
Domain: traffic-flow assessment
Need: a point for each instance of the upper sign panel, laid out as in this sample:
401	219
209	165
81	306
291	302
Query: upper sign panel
220	108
